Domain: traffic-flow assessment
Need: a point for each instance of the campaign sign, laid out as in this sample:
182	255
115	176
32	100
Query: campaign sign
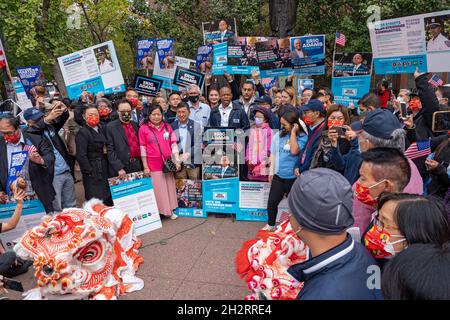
204	59
274	58
218	31
221	196
352	74
166	53
242	57
400	45
32	213
147	86
308	54
168	75
303	84
134	195
18	160
145	57
29	76
253	197
220	58
189	195
185	77
268	83
94	69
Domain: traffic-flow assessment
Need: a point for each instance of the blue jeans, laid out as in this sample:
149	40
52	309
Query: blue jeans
65	192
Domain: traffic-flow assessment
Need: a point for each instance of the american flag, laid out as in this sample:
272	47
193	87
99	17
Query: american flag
2	56
29	147
340	39
418	149
435	81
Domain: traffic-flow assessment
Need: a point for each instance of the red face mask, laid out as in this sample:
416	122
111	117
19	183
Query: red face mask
12	139
377	241
362	193
335	123
134	102
307	120
93	121
104	112
415	104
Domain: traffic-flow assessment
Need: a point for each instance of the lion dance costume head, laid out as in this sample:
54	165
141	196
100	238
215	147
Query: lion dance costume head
263	263
83	253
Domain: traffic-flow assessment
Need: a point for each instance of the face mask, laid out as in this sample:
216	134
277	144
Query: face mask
104	112
308	121
12	139
194	99
335	123
400	100
134	102
125	117
93	121
377	241
259	121
362	193
415	105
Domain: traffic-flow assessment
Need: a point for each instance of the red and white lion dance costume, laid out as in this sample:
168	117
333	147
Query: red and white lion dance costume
83	253
263	263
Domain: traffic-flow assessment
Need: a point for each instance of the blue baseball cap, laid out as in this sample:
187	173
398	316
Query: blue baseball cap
381	123
32	114
314	105
264	99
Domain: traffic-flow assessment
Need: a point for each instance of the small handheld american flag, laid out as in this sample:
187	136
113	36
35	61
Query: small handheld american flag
435	81
340	39
418	149
29	147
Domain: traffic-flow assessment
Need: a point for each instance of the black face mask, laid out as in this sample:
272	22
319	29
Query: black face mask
194	99
283	131
125	116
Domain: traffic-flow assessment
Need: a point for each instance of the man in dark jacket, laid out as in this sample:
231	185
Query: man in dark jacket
314	117
123	142
49	127
338	268
228	114
189	139
40	161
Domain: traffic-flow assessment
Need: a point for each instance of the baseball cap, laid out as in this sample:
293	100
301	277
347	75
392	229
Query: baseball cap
264	99
381	123
314	105
321	201
32	114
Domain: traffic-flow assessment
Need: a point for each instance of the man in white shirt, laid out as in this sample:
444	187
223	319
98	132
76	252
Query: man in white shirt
105	64
199	111
438	42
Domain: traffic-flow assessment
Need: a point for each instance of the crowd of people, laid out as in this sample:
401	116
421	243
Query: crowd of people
341	167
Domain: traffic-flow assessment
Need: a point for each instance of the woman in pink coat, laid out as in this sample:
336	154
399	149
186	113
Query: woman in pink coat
155	131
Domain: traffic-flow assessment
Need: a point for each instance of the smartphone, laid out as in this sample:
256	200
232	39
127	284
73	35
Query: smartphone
12	284
441	121
403	110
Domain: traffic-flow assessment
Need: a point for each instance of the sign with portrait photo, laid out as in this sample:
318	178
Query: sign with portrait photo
242	57
218	31
308	54
146	50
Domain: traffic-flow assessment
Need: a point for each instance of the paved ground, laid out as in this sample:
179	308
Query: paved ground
188	258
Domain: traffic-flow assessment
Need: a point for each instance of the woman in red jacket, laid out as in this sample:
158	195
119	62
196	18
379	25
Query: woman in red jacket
383	93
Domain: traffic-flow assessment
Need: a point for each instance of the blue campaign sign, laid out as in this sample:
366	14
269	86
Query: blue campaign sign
252	215
242	57
189	196
145	57
30	207
303	84
308	54
204	59
125	189
166	53
348	90
221	196
220	58
18	160
29	76
185	77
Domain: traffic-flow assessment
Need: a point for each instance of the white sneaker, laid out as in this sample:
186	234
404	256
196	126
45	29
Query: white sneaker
268	228
173	216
